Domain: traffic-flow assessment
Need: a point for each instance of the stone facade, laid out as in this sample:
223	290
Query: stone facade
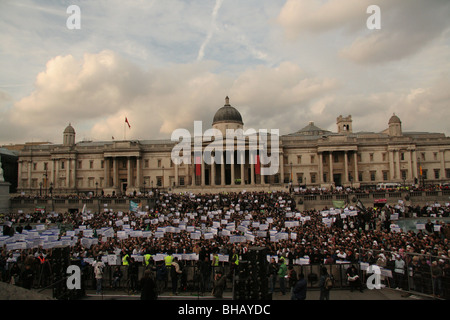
310	157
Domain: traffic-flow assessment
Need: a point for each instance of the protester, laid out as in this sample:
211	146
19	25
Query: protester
234	223
300	288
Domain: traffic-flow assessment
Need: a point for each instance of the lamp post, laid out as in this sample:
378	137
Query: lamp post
40	188
144	187
96	188
51	195
45	181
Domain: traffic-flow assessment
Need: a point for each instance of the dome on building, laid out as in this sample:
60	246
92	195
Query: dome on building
69	129
227	114
394	119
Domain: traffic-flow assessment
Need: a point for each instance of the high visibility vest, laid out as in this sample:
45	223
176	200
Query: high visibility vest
215	261
147	259
168	260
236	259
125	260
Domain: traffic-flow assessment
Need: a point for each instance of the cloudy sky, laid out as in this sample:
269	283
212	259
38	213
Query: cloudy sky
165	64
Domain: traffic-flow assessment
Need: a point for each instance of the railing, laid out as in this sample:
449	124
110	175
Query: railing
422	274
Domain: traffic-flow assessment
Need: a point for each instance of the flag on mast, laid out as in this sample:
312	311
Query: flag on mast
126	121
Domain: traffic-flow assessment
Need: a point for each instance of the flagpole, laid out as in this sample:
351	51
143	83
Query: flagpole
124	131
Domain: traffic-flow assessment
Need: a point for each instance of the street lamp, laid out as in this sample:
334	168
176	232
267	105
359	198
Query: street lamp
40	188
96	186
51	195
144	187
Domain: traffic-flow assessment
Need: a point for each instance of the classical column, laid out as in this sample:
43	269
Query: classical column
442	173
106	173
414	164
355	159
203	171
252	173
222	169
345	167
53	173
232	168
68	174
242	167
213	170
129	176
58	164
320	167
115	173
331	167
411	167
138	172
391	165
397	170
281	157
29	174
176	174
74	174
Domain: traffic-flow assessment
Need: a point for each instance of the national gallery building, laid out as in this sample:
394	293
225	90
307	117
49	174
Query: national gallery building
310	157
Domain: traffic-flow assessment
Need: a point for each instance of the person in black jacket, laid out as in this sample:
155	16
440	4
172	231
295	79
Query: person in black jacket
300	288
133	270
148	287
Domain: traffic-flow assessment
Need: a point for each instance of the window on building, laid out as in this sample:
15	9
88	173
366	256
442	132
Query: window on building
447	173
423	156
425	173
159	181
325	177
80	164
181	181
371	157
34	166
146	163
385	176
102	164
435	156
437	173
313	178
336	157
313	159
404	174
62	165
372	175
159	163
45	166
360	176
299	159
91	164
384	156
402	156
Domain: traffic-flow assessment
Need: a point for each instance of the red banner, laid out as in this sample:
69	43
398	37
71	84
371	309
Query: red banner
258	165
198	166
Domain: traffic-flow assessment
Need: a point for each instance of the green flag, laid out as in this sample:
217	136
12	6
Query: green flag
338	204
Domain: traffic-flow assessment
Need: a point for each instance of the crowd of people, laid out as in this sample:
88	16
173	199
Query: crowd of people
295	189
320	236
